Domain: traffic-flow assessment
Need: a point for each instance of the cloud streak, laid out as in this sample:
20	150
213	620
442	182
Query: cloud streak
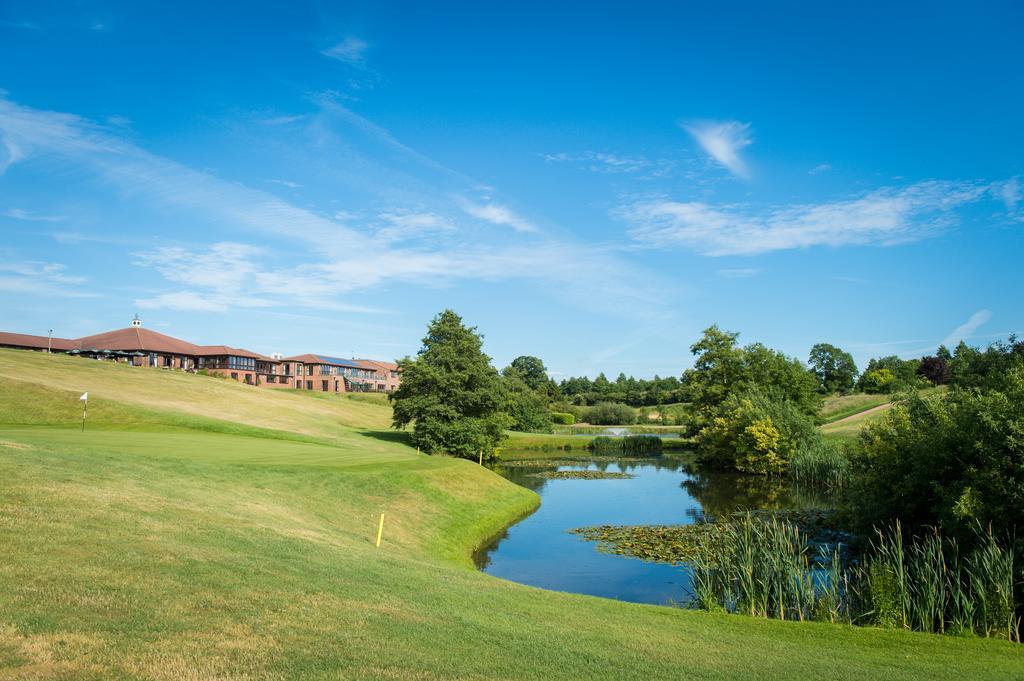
885	216
967	329
600	162
307	258
496	214
351	50
723	141
41	279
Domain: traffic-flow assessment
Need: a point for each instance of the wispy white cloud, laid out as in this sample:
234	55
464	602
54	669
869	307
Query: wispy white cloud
401	225
42	279
233	274
21	214
739	272
1010	193
284	120
967	329
600	162
351	50
819	169
286	183
884	216
158	181
22	24
498	214
723	141
317	268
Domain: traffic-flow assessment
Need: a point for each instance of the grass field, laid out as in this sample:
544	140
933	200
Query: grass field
164	543
846	416
841	406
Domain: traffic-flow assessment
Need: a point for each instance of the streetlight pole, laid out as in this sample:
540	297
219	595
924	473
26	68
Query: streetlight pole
49	342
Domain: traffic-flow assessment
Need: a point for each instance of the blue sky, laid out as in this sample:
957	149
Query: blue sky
592	183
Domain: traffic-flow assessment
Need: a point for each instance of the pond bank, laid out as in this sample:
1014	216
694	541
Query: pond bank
541	549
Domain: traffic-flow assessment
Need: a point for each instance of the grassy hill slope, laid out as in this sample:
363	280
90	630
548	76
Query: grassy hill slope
164	544
846	415
307	413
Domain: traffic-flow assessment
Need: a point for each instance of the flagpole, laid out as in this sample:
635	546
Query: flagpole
85	408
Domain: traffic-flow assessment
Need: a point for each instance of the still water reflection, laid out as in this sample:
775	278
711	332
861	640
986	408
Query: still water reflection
540	551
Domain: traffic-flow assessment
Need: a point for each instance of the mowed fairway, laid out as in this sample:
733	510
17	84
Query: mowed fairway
168	543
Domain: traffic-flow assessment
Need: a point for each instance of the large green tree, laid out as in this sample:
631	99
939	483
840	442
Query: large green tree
527	408
450	394
717	370
834	367
531	370
722	369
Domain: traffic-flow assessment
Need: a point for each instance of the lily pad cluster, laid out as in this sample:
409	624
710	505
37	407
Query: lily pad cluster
583	475
677	544
674	544
567	461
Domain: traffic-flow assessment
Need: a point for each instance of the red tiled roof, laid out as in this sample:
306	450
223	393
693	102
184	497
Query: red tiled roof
377	364
305	359
216	350
24	340
136	338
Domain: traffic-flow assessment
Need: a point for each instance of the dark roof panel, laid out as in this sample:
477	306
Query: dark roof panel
24	340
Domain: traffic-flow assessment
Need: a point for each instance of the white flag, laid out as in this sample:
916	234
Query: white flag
85	396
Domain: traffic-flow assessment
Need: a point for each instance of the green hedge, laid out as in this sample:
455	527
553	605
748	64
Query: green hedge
562	418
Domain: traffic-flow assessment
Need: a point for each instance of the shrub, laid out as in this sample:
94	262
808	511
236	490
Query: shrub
953	460
757	433
528	410
879	381
935	369
562	418
610	414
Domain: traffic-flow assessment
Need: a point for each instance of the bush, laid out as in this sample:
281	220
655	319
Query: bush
756	433
465	438
954	460
879	381
562	418
610	414
528	410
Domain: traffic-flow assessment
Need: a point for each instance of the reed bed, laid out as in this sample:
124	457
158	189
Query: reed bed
823	463
769	568
629	445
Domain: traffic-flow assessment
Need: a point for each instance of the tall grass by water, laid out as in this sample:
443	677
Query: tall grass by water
630	445
770	569
823	463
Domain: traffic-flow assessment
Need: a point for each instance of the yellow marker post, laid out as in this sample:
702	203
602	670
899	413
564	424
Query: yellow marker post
481	457
380	529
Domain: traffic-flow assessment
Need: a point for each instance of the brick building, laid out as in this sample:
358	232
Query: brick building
143	347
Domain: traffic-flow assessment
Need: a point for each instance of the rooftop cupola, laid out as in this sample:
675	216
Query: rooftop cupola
136	322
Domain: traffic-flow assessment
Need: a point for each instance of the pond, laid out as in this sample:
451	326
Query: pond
540	551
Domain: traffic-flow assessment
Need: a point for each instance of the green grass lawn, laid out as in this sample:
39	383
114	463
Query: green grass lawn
183	550
846	416
841	406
